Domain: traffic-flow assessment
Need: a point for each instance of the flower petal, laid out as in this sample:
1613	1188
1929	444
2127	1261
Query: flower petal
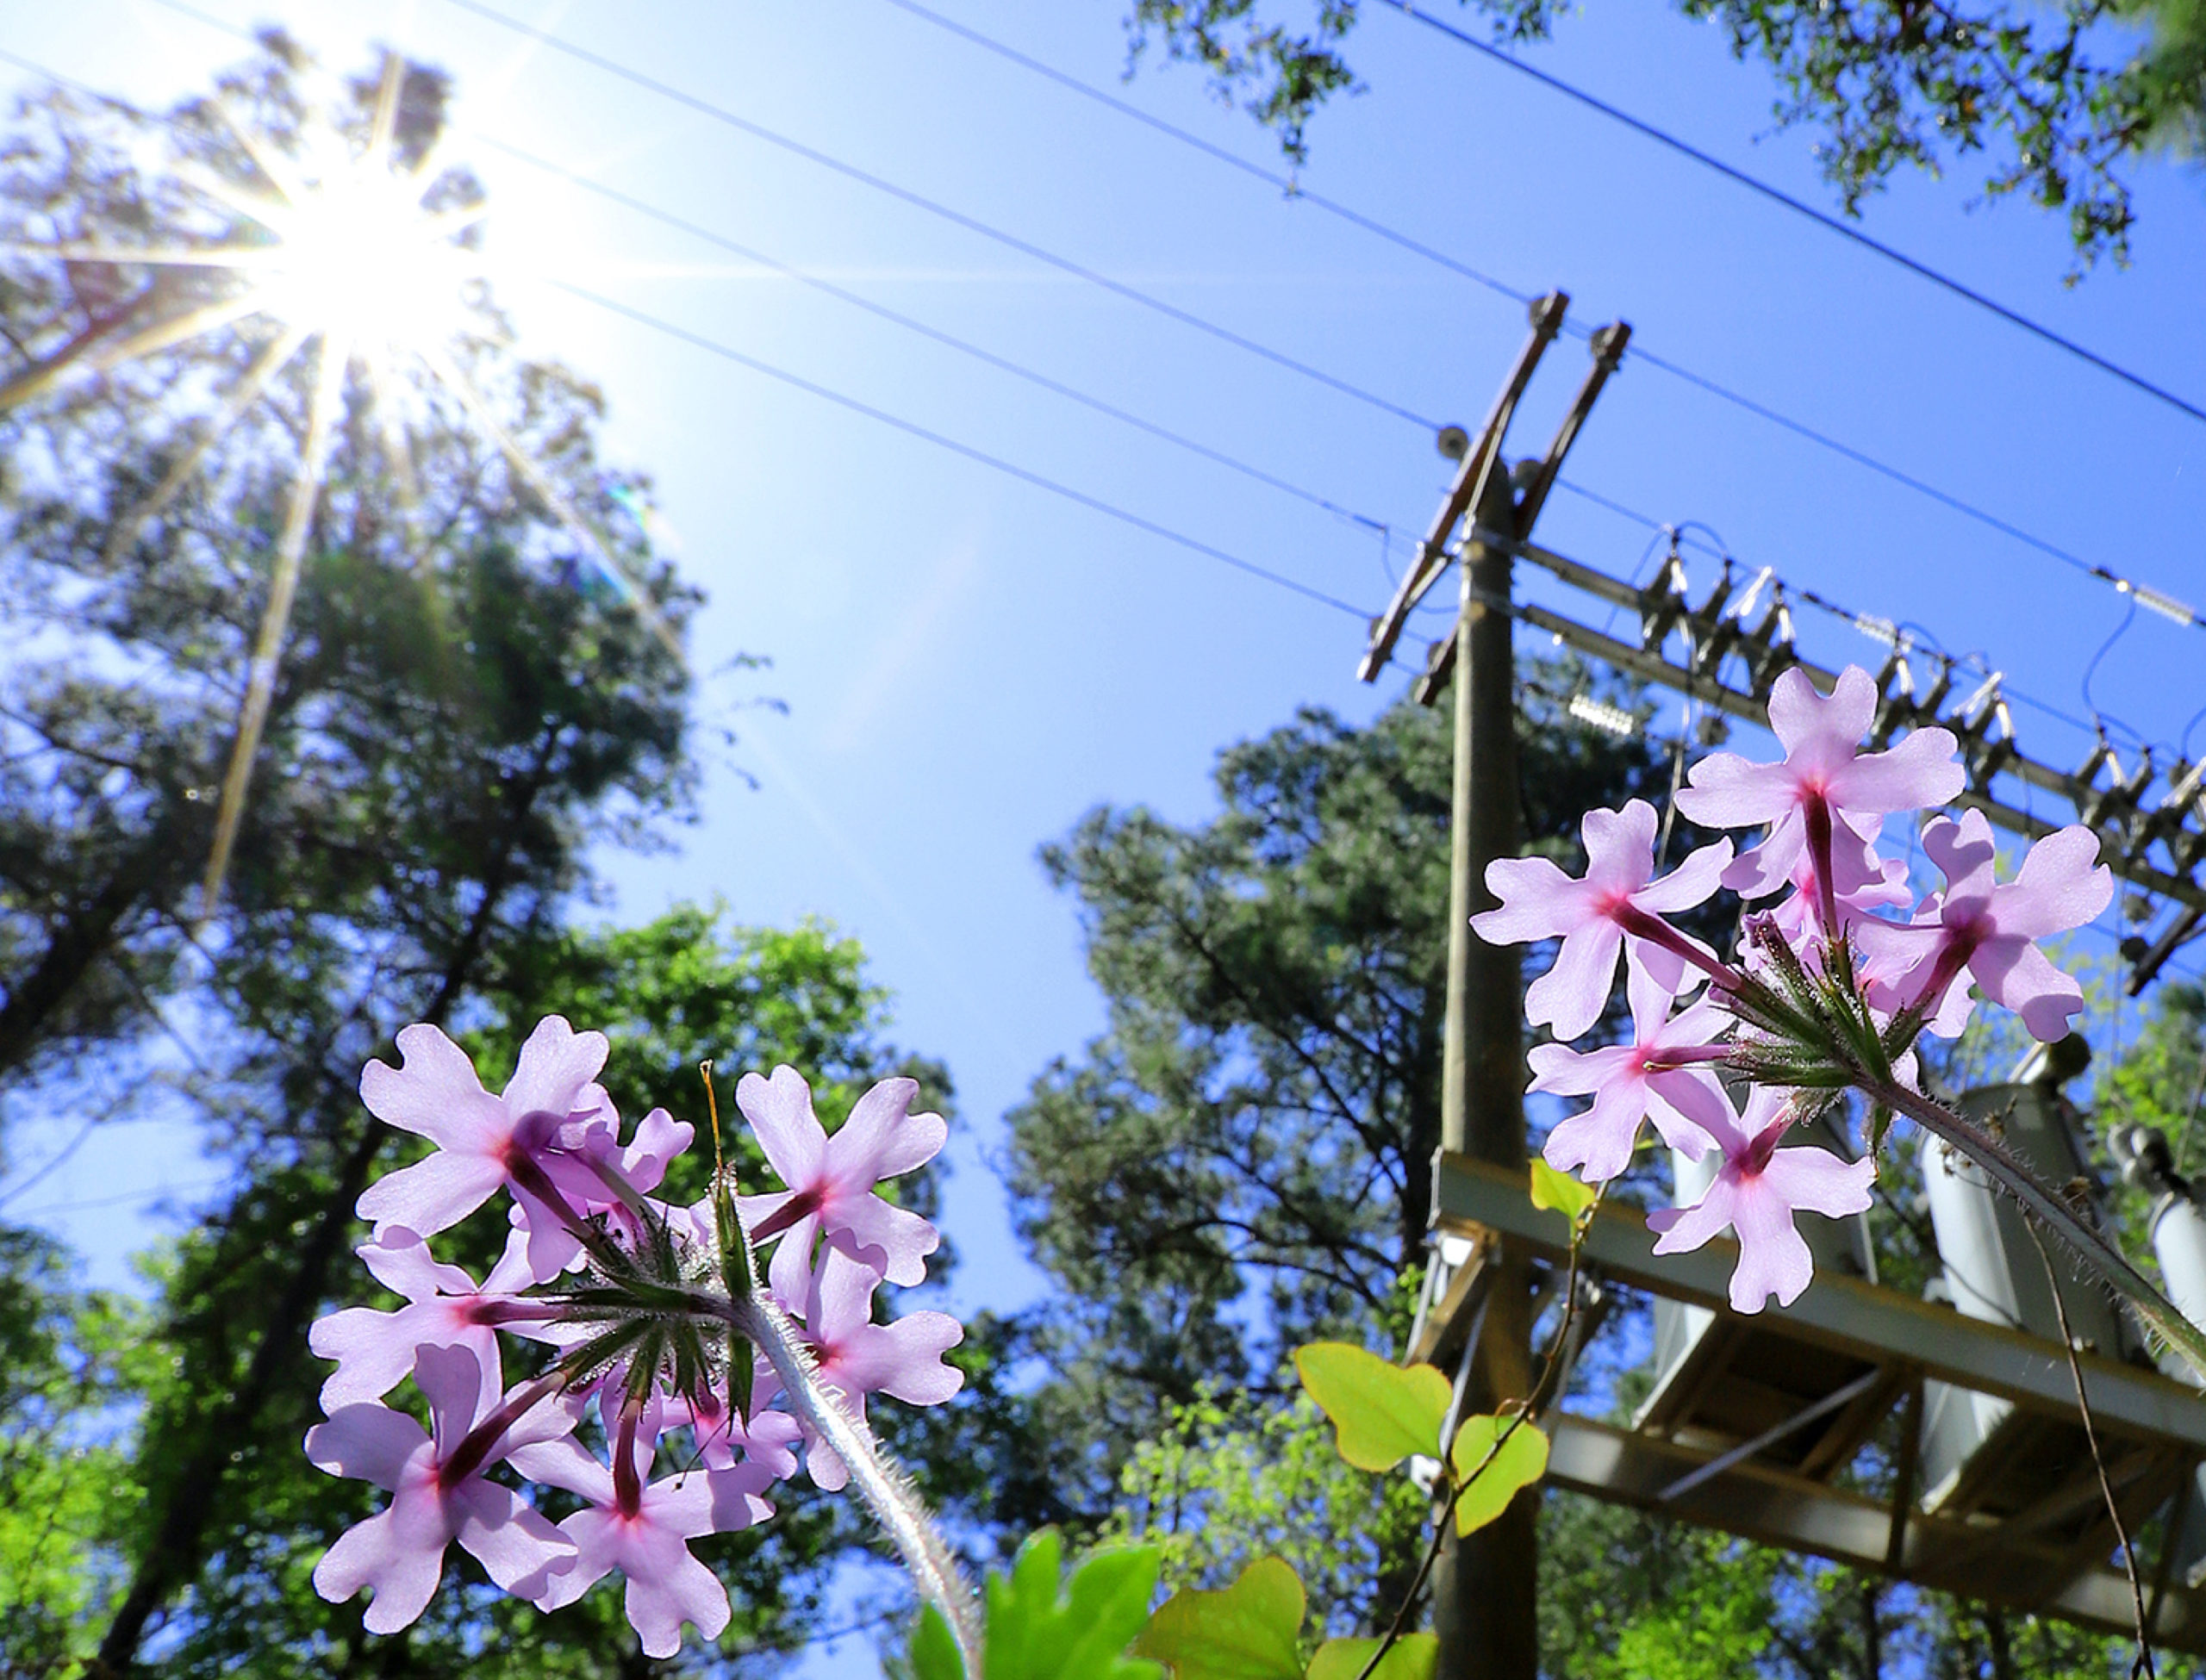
1817	1181
399	1554
1693	882
1570	997
435	1093
1773	1257
881	1140
780	1113
434	1194
1919	771
516	1543
368	1442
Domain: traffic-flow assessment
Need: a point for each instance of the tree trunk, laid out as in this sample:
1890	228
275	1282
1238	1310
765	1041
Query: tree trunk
80	941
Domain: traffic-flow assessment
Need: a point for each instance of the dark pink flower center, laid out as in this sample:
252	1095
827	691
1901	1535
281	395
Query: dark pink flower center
1756	1158
802	1204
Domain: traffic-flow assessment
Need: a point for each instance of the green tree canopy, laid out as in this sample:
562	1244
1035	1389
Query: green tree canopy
2058	102
465	705
1242	1161
81	1368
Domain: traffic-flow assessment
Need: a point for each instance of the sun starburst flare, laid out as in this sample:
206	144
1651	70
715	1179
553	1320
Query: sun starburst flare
346	251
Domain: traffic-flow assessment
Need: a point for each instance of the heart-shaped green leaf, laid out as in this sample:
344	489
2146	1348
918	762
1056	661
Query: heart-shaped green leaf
1381	1413
1521	1460
1559	1191
1248	1632
1413	1657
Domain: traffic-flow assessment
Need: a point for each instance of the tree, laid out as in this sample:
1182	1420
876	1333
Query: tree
2061	102
1242	1161
670	992
1229	1169
467	701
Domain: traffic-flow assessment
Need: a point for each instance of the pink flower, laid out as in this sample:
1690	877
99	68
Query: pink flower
484	1142
767	1442
1684	1102
1816	799
643	1528
1595	916
1988	928
1799	919
438	1493
830	1179
857	1357
375	1350
1756	1192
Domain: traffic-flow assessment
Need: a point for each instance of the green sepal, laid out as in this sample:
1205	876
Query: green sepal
600	1351
727	1222
742	1375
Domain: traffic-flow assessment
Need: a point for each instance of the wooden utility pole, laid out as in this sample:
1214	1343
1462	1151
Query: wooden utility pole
1485	1588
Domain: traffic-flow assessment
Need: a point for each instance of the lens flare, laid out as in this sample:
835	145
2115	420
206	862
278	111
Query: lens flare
345	253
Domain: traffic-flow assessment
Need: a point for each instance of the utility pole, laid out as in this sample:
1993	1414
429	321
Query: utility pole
1485	1590
1486	1587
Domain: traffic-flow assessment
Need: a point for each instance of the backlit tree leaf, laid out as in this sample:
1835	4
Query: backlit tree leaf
1381	1413
1413	1657
1248	1632
1559	1191
1521	1460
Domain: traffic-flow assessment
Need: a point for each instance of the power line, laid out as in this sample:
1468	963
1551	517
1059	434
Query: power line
2154	599
1287	183
963	346
2158	601
1801	207
913	428
934	207
941	440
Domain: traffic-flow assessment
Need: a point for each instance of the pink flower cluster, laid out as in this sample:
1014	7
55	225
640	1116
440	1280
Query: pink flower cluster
581	1198
1822	810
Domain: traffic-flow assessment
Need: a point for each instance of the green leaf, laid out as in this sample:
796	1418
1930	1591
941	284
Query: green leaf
1381	1413
1249	1631
1413	1657
1042	1628
934	1650
1559	1191
1521	1461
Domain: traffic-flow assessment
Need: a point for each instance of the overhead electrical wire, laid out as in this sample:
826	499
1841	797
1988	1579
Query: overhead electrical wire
1798	205
910	324
913	428
2138	593
943	440
933	207
2152	599
1287	183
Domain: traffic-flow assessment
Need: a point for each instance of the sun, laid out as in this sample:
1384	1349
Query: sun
344	248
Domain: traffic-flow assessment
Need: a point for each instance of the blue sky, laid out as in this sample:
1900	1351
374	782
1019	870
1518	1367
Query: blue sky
970	662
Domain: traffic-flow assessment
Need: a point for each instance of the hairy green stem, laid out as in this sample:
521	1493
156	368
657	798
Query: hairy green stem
2045	1204
886	1490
